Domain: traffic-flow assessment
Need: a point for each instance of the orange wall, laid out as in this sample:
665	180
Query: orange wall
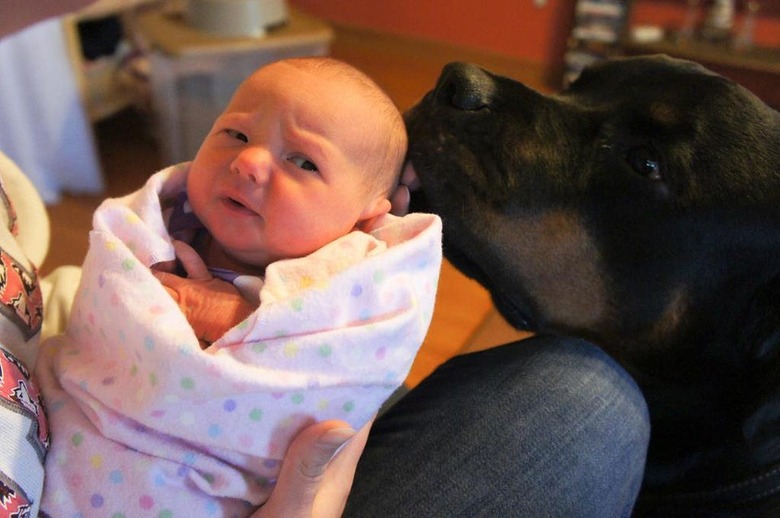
514	28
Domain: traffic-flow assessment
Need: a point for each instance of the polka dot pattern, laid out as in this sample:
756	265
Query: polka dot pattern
144	417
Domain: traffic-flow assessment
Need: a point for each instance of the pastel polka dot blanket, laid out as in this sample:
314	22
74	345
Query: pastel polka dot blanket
144	422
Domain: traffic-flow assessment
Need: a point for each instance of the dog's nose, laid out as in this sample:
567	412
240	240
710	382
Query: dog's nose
465	86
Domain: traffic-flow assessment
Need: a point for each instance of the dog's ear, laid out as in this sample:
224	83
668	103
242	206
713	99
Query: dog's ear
762	339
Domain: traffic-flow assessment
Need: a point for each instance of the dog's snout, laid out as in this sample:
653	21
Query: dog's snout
465	86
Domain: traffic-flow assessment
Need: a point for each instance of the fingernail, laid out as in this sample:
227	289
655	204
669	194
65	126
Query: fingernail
337	436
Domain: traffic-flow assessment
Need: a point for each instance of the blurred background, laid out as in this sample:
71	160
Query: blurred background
94	103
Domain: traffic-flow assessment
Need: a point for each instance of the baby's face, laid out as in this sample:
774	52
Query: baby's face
282	171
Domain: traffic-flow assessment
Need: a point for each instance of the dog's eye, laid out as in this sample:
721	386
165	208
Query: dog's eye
643	160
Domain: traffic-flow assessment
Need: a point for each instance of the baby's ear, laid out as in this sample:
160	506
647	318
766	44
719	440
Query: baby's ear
373	211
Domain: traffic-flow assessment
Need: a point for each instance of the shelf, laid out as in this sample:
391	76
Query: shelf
171	34
754	59
104	8
101	92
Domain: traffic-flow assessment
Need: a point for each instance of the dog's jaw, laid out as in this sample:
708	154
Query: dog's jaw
554	247
519	317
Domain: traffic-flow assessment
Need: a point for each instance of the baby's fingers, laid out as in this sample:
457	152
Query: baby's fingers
191	261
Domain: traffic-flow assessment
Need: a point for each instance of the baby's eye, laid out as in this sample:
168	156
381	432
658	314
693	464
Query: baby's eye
303	162
237	135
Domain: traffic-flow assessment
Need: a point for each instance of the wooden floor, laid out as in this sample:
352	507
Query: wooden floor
463	317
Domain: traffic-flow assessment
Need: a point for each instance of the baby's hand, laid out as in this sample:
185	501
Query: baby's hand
212	306
191	261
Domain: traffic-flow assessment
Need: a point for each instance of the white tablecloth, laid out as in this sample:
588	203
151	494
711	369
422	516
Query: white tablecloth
43	124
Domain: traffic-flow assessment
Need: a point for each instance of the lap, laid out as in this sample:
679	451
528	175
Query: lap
545	425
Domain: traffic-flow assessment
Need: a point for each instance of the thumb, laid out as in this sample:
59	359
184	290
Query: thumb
303	474
316	449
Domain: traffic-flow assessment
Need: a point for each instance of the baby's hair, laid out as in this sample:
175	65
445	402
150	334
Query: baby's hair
387	154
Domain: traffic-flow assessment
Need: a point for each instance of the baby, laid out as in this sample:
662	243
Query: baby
300	299
317	174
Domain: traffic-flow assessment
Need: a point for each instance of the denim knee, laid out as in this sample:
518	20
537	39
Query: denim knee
545	426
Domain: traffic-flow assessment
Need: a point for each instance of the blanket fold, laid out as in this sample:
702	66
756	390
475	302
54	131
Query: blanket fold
143	419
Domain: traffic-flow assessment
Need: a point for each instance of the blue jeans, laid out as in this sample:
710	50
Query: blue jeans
544	427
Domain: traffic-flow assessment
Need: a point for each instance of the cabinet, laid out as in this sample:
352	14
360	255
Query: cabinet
101	91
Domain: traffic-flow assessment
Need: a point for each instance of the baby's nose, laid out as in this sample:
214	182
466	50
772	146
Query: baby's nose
253	163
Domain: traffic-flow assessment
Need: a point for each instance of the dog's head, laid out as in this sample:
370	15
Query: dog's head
638	208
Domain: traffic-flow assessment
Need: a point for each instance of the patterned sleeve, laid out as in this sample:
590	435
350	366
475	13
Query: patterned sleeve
25	437
24	432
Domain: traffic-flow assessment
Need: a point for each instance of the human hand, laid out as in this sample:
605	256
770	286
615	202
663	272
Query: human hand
399	199
312	482
212	306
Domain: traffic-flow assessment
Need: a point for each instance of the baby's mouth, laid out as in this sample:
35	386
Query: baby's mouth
236	202
238	206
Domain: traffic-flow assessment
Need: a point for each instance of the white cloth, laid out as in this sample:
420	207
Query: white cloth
145	420
43	125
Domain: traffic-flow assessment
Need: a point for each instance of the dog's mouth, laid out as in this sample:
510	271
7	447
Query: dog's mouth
461	257
517	318
506	302
450	134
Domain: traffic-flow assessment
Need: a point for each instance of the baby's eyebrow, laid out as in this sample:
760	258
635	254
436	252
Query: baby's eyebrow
312	142
234	117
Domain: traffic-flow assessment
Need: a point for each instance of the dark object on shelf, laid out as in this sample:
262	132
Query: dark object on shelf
719	23
100	37
744	38
596	35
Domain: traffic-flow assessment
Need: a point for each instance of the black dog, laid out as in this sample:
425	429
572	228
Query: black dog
639	209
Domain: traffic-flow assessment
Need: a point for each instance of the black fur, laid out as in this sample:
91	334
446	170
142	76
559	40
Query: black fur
639	209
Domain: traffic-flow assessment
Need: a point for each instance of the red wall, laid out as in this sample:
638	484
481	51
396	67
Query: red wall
514	28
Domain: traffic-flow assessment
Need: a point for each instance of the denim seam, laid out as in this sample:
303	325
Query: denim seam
737	486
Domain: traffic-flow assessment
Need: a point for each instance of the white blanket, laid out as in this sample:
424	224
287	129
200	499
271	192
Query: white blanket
144	421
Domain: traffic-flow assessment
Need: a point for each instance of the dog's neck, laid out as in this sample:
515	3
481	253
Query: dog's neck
720	421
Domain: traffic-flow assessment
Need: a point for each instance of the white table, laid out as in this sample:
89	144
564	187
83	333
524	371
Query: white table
194	73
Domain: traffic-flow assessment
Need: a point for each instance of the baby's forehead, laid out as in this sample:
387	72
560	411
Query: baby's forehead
316	93
314	71
320	89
